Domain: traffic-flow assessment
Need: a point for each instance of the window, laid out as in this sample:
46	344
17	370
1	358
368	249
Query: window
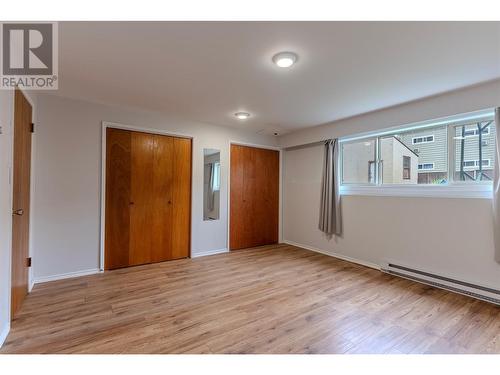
358	162
474	154
399	160
475	163
458	150
423	139
426	166
472	131
486	163
406	167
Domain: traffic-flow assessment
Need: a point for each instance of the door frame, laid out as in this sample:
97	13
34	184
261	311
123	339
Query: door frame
280	188
31	246
102	217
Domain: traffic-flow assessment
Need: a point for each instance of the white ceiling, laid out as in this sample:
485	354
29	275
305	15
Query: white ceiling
207	71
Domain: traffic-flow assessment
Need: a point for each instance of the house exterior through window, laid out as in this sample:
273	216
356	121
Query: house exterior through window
432	155
451	151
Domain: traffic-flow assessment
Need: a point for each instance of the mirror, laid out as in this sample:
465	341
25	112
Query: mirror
211	184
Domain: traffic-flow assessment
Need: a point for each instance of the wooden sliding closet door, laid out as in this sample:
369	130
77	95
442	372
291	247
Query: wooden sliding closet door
148	198
254	197
162	221
266	198
181	196
142	196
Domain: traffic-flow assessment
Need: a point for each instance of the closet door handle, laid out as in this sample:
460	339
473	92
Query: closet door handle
18	212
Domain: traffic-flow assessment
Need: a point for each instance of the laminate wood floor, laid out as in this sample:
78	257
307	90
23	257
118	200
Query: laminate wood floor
274	299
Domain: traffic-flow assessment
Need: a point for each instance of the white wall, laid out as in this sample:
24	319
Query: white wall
6	113
447	236
451	237
469	99
68	170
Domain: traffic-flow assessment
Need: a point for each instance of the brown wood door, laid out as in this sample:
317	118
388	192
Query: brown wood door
162	220
254	197
148	198
142	196
118	197
181	198
21	200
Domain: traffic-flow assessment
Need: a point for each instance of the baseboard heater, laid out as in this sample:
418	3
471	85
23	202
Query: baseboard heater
477	291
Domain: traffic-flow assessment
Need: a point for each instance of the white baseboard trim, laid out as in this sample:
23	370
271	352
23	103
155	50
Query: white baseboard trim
68	275
210	252
31	278
4	333
335	255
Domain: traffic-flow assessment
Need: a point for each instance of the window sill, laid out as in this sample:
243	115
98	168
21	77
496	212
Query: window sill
484	191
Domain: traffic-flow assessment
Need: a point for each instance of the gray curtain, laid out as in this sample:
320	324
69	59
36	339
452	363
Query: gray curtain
210	193
330	220
496	189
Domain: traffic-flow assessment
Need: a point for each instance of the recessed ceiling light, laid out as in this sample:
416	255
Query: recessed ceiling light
242	115
285	59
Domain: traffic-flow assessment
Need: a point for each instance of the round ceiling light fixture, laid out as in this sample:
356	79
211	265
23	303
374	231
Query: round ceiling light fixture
285	59
242	115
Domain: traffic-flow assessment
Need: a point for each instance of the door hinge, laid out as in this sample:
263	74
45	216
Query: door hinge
28	262
32	127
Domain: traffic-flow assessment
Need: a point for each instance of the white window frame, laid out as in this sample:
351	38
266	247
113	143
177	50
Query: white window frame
487	165
476	163
422	137
451	189
425	169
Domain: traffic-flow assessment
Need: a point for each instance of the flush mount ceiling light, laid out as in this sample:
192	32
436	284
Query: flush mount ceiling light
242	115
285	59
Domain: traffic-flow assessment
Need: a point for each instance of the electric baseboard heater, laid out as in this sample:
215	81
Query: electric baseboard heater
477	291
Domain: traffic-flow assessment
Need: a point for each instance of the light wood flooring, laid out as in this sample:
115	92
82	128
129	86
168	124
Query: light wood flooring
275	299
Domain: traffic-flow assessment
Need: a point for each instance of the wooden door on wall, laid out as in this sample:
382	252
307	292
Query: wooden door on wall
254	197
148	198
21	200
